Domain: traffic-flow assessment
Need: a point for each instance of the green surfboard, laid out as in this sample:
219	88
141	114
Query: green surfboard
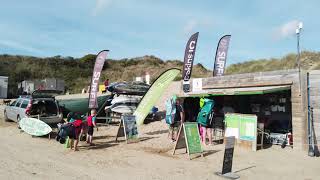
154	93
34	126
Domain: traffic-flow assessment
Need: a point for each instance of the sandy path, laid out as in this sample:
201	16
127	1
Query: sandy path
24	157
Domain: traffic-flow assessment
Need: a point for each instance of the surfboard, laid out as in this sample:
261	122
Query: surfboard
129	88
126	99
124	109
34	126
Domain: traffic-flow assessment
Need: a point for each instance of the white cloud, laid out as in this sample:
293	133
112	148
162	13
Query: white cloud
189	27
192	24
286	30
19	46
100	6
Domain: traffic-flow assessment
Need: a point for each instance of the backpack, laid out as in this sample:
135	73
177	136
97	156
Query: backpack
63	132
206	112
170	111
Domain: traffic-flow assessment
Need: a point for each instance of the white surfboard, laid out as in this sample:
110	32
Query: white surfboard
124	109
34	126
126	99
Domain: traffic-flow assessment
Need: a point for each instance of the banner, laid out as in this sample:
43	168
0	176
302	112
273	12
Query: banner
102	55
154	93
221	56
188	61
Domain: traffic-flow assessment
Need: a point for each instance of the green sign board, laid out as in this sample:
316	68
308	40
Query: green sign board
248	127
242	126
130	127
232	120
192	137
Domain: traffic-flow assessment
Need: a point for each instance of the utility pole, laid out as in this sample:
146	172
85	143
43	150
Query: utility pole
298	32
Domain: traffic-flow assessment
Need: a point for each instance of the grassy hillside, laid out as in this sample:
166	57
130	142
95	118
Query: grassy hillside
77	71
309	61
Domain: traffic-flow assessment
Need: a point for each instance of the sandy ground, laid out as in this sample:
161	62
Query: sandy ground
26	157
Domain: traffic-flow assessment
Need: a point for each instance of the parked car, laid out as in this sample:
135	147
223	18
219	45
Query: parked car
40	104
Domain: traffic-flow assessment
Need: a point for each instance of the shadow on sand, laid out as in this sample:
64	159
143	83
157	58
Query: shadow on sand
244	169
103	137
122	139
157	132
210	152
99	145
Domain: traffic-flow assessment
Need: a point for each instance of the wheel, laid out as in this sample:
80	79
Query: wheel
18	120
6	117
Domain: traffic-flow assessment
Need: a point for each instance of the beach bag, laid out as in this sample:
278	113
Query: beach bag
68	143
170	111
201	102
63	132
206	112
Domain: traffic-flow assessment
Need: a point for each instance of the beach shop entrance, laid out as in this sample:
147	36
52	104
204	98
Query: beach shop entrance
277	98
271	105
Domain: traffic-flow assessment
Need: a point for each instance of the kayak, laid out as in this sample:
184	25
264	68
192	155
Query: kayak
129	88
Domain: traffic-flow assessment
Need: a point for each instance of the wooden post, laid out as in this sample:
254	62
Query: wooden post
120	132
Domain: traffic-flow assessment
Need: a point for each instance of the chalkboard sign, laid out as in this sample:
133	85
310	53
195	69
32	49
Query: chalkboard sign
189	138
130	127
228	155
192	136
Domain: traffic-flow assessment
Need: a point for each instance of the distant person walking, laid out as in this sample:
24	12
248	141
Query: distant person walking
106	84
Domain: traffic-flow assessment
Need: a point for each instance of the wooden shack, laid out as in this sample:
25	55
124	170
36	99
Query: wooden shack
265	90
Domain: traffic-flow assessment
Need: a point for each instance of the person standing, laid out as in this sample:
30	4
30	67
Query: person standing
76	131
205	120
106	84
91	120
178	119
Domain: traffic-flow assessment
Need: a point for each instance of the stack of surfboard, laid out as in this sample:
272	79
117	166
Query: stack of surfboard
124	104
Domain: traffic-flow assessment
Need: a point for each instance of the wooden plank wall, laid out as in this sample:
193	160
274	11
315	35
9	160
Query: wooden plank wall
314	102
251	79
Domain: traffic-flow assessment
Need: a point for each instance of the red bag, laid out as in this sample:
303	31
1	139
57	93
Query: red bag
77	123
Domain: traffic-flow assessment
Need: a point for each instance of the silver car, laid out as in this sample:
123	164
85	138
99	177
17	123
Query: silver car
41	105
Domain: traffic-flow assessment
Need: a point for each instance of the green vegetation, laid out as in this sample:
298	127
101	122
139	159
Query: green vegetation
309	61
77	72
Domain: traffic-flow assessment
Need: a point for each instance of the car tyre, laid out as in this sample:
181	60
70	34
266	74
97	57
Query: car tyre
6	119
18	120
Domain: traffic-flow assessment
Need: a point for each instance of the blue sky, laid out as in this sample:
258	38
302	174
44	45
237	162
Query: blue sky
134	28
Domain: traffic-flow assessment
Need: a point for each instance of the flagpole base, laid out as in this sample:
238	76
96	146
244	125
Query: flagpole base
228	175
